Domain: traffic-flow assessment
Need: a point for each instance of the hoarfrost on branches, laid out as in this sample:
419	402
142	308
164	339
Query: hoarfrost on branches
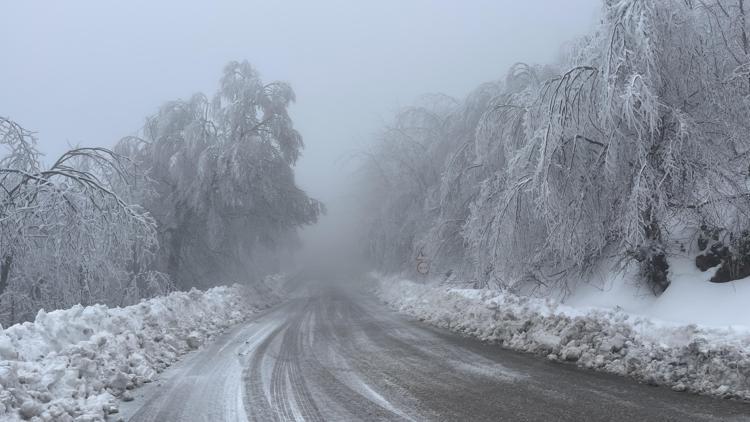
66	236
637	134
218	177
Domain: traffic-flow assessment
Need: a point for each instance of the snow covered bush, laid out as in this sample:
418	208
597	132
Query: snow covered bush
73	364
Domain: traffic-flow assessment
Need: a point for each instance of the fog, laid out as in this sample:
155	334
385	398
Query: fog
335	210
88	72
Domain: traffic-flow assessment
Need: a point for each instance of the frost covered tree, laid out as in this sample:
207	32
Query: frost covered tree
420	176
615	155
640	134
66	237
402	173
218	177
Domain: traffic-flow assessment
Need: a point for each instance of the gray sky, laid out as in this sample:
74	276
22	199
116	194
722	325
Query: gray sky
88	72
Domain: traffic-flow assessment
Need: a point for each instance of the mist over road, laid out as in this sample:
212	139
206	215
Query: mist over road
334	354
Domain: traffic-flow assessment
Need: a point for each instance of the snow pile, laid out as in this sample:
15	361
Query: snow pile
686	357
73	364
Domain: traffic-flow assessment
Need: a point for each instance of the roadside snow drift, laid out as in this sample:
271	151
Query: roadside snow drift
713	361
74	364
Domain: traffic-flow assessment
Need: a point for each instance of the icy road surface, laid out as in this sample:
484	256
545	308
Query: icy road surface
339	356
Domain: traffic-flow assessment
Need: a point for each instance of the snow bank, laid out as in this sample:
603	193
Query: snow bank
690	299
74	364
686	357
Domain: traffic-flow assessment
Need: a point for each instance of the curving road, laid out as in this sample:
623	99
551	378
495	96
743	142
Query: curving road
336	355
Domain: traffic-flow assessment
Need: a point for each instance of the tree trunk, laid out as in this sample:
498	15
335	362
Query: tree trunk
743	30
5	272
175	251
654	266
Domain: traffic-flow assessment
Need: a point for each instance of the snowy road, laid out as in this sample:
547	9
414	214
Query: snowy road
339	356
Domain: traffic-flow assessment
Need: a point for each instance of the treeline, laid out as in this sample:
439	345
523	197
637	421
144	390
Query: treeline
631	148
204	194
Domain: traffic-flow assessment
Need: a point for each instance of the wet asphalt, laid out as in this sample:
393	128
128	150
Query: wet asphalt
334	354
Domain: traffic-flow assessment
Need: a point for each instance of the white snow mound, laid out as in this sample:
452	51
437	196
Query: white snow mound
73	364
685	357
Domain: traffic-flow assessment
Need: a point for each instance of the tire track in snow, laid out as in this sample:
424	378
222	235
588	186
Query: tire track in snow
286	397
207	385
338	356
341	383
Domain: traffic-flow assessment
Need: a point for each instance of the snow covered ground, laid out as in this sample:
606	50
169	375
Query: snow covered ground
697	346
690	299
77	363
